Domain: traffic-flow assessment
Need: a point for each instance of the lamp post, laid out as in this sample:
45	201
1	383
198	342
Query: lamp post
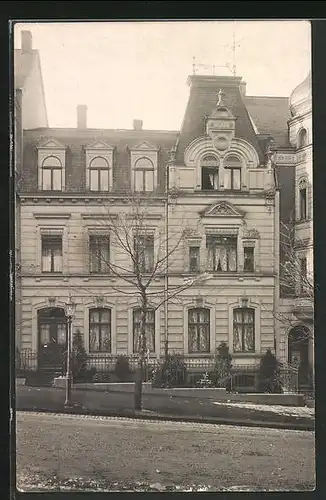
69	312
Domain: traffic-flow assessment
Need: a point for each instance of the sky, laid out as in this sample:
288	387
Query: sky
138	70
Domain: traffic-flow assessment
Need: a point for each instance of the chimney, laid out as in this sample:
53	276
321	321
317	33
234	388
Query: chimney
243	88
81	116
138	124
26	41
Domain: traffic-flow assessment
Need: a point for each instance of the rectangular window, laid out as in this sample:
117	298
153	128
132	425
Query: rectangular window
209	178
100	330
303	203
56	179
232	178
222	253
244	330
303	275
47	184
99	179
144	180
149	329
249	263
52	254
99	253
144	253
194	259
198	330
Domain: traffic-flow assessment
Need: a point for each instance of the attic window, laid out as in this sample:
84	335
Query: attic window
99	174
232	173
51	174
144	175
209	172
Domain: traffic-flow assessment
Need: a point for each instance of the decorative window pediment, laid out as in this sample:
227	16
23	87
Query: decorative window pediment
144	165
51	165
99	164
222	209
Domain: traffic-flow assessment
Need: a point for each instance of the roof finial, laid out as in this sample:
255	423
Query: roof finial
220	96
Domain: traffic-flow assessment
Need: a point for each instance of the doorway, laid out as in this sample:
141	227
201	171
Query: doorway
52	338
298	352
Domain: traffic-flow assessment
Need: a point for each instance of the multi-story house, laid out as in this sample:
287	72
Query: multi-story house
223	198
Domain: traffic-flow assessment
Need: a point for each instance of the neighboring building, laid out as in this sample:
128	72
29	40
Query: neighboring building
222	193
29	112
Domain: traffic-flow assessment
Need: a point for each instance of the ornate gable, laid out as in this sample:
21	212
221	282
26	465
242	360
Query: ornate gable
51	144
98	145
144	146
222	209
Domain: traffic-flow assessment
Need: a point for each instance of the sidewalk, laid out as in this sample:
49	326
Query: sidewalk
199	409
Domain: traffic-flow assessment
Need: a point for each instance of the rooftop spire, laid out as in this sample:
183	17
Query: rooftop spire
220	95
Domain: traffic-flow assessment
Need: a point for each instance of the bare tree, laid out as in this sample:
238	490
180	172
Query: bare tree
140	245
296	279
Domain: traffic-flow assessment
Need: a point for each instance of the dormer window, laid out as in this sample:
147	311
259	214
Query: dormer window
99	164
51	166
99	174
144	165
232	173
144	175
51	174
209	172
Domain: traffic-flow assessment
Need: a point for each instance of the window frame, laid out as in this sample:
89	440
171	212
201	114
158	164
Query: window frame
100	324
144	170
95	239
232	169
215	169
51	169
99	170
303	199
243	323
190	248
245	250
47	239
198	325
142	266
234	238
138	310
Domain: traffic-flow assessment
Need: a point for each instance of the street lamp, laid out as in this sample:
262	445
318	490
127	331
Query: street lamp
70	307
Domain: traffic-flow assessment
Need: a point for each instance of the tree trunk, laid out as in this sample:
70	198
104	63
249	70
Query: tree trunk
141	358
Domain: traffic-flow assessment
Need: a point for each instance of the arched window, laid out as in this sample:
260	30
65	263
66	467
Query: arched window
209	172
243	329
232	172
99	174
302	138
144	175
100	330
198	329
51	174
303	188
149	329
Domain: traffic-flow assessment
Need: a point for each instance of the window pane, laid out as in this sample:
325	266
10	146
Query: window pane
105	338
94	338
99	162
227	178
51	161
105	316
144	163
248	338
57	184
237	335
44	334
236	178
61	333
94	316
57	260
149	180
139	180
248	259
46	259
194	259
46	183
94	180
104	180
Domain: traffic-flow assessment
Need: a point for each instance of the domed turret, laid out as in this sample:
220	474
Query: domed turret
300	99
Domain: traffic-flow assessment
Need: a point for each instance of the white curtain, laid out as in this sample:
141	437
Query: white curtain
46	259
57	260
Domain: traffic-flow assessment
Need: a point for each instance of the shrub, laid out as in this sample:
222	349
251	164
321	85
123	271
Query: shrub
205	381
269	374
122	369
79	356
102	377
223	366
171	373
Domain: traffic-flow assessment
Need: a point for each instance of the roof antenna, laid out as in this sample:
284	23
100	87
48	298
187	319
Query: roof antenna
194	65
234	49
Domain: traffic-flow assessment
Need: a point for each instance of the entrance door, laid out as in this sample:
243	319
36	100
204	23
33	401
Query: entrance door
298	352
52	334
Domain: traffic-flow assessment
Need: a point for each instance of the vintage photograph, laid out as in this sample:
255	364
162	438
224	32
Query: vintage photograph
163	267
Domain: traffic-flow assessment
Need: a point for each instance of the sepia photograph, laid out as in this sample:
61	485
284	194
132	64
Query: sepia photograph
163	262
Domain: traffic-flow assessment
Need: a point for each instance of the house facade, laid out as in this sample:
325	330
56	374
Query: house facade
219	218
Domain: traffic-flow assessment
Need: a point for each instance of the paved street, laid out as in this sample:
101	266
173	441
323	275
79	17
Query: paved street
75	452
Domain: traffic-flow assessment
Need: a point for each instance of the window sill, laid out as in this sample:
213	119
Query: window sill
245	354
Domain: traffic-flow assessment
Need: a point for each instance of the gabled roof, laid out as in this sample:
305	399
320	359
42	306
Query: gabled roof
270	115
